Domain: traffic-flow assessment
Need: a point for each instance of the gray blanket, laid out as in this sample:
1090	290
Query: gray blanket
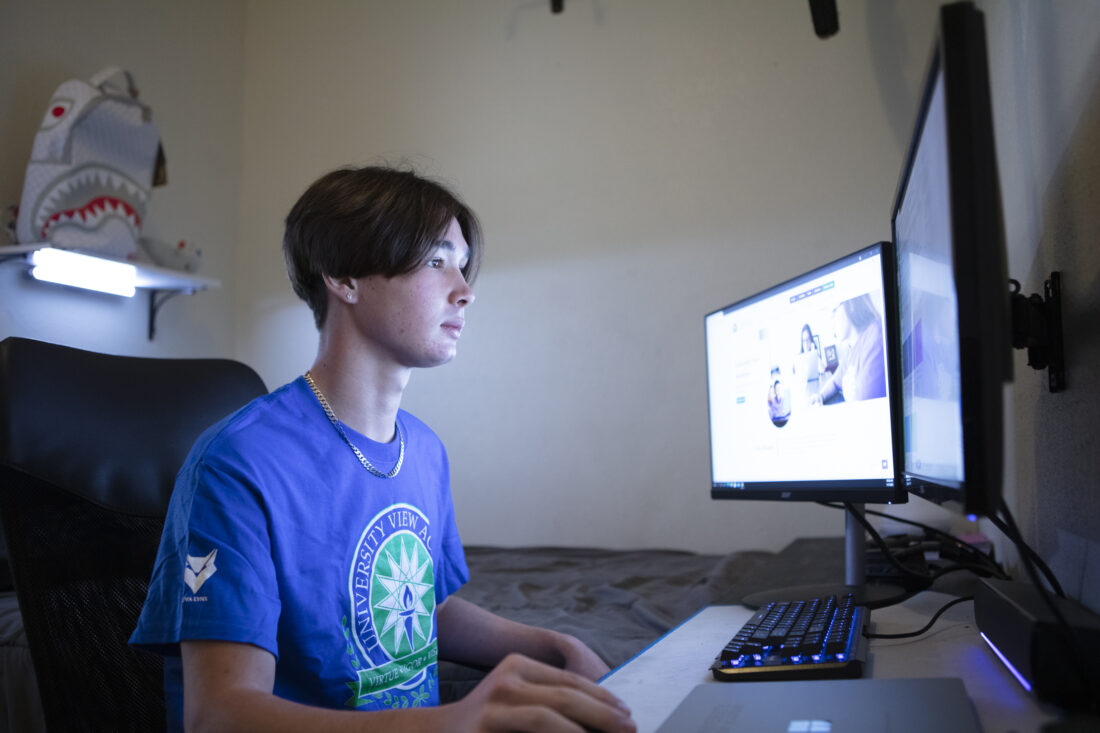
618	602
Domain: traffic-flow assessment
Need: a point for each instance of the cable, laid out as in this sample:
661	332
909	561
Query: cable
994	568
982	570
986	567
1012	532
881	544
926	627
978	570
1028	555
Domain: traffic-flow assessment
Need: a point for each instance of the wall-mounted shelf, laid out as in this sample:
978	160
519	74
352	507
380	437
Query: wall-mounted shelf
161	282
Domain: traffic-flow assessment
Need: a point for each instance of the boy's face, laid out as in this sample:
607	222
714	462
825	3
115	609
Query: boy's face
415	319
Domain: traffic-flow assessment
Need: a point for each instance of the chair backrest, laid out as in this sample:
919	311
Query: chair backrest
89	448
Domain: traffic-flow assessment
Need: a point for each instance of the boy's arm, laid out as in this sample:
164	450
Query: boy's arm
228	686
469	633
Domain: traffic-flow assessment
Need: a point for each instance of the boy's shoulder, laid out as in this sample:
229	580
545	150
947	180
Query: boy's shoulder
279	413
414	424
420	433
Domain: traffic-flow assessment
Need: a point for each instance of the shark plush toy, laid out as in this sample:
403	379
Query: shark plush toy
95	159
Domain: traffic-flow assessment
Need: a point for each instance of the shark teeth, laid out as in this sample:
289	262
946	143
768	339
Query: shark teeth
92	215
77	188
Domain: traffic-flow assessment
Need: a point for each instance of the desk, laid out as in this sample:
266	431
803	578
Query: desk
655	681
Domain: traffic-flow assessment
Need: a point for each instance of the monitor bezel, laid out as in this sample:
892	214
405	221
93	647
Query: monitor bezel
985	350
873	491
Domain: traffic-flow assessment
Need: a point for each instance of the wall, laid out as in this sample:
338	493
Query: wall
1045	69
636	164
187	60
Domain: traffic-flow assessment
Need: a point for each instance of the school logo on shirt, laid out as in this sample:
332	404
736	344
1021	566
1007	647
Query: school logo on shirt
198	570
391	632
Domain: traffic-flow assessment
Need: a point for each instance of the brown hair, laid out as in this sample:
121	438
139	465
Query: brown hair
355	222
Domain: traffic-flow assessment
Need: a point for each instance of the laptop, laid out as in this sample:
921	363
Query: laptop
827	706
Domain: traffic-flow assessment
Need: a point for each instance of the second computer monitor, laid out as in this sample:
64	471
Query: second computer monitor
800	387
953	296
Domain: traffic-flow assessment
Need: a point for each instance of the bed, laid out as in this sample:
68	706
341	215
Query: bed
619	602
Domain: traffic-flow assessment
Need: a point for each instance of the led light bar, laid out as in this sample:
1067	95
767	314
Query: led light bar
83	271
1004	660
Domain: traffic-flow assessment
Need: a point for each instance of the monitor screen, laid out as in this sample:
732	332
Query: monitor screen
931	383
799	388
953	297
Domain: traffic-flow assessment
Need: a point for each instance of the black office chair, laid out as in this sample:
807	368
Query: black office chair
89	449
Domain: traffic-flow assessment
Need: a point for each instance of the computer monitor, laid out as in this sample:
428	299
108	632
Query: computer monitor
953	295
801	396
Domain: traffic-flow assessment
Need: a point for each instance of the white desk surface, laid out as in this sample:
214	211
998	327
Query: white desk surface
655	681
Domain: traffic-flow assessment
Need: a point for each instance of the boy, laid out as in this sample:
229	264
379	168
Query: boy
310	547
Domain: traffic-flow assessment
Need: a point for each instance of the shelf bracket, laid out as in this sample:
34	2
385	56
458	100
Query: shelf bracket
158	298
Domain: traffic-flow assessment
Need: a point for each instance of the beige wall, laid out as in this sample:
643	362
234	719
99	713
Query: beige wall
636	164
187	60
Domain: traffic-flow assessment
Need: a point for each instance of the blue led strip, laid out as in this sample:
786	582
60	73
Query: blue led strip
1015	673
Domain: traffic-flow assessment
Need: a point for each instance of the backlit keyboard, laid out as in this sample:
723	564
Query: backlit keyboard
806	639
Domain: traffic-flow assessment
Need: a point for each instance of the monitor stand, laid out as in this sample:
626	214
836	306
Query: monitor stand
872	595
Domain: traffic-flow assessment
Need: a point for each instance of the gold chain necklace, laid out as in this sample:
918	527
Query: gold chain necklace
336	424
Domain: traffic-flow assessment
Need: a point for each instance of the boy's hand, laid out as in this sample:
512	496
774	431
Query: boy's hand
577	657
521	694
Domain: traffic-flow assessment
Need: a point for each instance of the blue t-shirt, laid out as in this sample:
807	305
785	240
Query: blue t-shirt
277	536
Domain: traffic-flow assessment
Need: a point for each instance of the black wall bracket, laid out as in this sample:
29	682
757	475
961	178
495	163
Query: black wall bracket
1037	327
156	300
